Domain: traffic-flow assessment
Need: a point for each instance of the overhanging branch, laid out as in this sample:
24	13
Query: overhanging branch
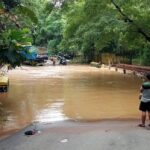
129	20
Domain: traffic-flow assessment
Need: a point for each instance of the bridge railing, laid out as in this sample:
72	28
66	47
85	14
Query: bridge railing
135	68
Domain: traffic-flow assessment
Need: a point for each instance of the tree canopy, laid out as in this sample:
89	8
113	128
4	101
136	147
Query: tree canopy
16	19
92	25
88	27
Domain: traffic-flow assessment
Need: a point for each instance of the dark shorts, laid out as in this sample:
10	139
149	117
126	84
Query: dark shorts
144	106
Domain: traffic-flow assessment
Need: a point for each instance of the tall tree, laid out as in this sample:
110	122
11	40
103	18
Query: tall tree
125	23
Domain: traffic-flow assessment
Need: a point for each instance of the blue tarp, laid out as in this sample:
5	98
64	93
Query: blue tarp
30	52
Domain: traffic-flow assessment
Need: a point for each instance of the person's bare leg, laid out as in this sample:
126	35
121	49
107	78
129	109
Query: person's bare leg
149	118
143	118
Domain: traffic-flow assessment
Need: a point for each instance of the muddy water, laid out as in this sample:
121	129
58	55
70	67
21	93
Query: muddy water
54	93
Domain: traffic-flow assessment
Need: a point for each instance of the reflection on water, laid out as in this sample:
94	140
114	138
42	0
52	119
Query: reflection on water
52	114
94	96
55	93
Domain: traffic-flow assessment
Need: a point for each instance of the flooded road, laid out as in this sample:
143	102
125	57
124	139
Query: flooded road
55	93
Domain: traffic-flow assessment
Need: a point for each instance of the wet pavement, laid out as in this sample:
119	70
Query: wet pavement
70	135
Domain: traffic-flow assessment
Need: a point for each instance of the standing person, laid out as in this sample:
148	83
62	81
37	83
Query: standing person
54	61
145	100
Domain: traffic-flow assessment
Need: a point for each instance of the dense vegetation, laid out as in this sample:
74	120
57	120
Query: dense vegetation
15	23
86	27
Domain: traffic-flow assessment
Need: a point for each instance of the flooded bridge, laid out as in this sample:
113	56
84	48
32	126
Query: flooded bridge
57	93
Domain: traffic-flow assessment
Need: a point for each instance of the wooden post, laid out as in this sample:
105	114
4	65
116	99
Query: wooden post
116	69
124	71
134	73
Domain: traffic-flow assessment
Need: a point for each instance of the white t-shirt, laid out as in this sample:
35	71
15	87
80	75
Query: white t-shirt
145	92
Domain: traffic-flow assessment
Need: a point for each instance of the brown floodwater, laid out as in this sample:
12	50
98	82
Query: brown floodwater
56	93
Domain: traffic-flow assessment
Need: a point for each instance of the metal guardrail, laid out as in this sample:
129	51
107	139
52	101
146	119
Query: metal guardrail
140	69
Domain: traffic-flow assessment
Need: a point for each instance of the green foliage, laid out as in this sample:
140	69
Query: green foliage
146	57
10	46
9	4
92	26
27	12
49	31
48	7
14	31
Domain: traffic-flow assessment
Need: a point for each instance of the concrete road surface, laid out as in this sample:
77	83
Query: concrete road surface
69	135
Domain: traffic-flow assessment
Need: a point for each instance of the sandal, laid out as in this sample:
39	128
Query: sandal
141	125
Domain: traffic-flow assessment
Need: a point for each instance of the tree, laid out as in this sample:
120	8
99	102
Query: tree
14	31
125	23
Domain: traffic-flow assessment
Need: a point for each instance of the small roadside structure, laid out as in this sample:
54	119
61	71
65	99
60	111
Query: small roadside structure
42	52
4	80
35	55
4	83
95	64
